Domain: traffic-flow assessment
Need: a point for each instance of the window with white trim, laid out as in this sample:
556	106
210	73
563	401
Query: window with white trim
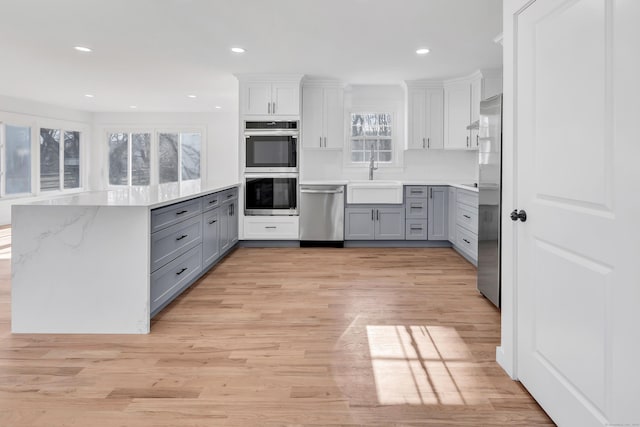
17	158
129	158
179	156
59	162
371	134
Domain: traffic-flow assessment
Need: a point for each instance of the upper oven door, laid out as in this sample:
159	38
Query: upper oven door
271	151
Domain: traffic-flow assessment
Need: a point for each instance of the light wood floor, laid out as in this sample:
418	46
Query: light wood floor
281	337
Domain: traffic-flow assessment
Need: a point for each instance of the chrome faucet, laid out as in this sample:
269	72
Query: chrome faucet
371	165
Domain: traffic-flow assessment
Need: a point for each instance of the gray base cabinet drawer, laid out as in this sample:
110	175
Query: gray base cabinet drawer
467	217
175	276
467	198
416	208
416	229
419	191
169	215
211	201
171	242
467	242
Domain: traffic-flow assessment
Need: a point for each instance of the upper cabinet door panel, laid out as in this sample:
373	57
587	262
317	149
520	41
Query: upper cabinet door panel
286	99
312	117
257	97
435	118
457	116
417	118
334	117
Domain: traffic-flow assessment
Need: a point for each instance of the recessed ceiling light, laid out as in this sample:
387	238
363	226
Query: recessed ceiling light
83	49
191	96
133	106
88	95
422	51
238	50
218	107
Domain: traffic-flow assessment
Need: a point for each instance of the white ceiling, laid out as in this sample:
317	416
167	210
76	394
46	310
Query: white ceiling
153	53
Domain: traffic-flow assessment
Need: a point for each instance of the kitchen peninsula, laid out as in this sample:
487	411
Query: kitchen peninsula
107	261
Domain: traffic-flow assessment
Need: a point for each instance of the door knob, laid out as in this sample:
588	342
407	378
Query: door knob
515	215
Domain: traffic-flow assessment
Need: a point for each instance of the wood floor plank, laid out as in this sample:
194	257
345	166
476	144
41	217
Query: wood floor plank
291	336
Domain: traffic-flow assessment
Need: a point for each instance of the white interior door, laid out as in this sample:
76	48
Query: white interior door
578	151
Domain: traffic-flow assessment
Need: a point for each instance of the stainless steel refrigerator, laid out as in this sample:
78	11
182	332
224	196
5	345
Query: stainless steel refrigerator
489	197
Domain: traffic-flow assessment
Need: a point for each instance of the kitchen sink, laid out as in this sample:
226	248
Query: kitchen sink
374	192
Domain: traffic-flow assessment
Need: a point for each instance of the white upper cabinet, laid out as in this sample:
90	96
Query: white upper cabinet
425	115
323	116
270	95
476	96
457	116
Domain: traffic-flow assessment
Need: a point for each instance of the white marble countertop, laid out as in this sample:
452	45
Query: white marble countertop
152	196
464	186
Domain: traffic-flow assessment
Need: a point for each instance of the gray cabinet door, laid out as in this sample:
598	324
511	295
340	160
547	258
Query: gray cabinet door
452	214
225	238
359	223
211	237
233	223
389	223
438	216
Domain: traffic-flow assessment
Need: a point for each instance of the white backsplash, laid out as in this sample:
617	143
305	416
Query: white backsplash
436	165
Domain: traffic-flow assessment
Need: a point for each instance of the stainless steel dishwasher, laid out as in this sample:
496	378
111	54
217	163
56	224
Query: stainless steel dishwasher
321	214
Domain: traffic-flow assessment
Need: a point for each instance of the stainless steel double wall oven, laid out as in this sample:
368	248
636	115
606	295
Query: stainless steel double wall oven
271	167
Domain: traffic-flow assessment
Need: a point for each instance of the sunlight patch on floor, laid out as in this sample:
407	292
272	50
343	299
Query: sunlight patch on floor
421	365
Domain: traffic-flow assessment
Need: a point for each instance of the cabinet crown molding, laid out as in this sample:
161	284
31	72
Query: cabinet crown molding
257	77
310	81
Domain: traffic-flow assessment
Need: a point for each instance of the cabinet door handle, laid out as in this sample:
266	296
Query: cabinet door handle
372	217
213	201
320	142
181	271
466	216
428	142
212	221
273	227
181	237
431	193
423	142
274	108
477	140
467	141
377	215
468	242
181	212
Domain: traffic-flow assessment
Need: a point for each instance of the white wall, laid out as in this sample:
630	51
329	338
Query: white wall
415	165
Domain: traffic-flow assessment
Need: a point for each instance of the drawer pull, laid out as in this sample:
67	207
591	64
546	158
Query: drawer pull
416	227
213	201
212	221
181	212
181	271
182	237
468	242
416	191
271	226
466	216
416	206
229	196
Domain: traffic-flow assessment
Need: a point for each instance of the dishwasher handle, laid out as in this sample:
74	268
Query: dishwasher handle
321	191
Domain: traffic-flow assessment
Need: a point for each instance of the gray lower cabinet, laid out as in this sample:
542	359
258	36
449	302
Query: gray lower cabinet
167	282
438	213
374	222
452	202
211	237
187	238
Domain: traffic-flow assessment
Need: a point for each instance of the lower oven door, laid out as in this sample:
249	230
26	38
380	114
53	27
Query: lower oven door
275	194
